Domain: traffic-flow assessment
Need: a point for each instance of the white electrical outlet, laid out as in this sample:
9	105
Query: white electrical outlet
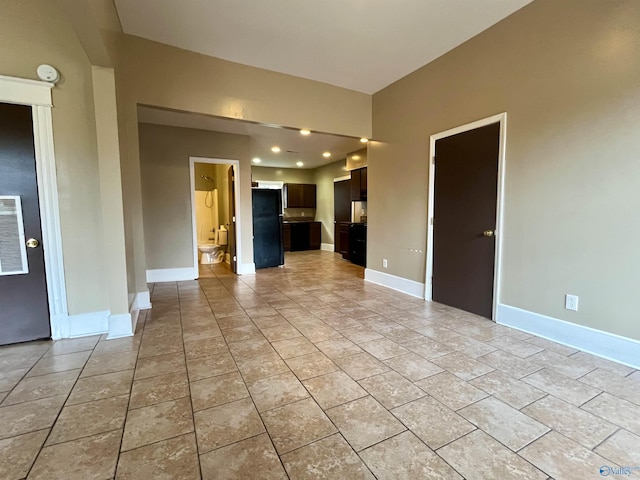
571	302
384	263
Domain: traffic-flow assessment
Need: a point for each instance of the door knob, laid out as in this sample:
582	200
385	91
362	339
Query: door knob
488	233
33	243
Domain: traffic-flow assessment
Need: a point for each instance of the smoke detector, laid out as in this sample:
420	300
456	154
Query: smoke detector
47	73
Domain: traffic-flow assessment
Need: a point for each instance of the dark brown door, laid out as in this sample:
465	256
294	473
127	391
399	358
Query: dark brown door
231	236
24	309
465	195
341	209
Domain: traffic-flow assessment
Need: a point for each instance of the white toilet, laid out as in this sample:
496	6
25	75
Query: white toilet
214	252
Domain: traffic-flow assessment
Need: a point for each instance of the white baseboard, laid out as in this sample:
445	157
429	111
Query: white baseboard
120	325
135	314
171	275
603	344
59	326
139	301
246	268
84	324
94	323
327	247
404	285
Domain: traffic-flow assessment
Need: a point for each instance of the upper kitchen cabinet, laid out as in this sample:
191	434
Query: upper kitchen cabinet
359	184
299	195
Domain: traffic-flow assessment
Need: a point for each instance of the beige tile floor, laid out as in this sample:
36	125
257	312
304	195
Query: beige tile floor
307	372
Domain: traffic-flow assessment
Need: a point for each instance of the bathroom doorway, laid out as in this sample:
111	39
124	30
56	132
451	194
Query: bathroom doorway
213	208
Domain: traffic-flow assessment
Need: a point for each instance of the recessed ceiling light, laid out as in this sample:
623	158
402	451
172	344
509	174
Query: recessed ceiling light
299	164
275	149
355	157
364	140
305	132
256	160
326	154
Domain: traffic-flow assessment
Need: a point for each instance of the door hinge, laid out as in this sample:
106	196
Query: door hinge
235	259
431	221
234	219
433	160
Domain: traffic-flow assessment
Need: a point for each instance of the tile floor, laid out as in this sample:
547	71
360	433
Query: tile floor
307	372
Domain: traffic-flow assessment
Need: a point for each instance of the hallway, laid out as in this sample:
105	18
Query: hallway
308	372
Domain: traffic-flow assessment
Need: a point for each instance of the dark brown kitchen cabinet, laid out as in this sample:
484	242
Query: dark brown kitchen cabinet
309	196
359	184
358	244
293	195
315	235
299	195
343	232
299	236
286	237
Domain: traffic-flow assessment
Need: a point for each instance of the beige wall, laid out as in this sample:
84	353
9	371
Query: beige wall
322	177
166	190
34	32
285	175
153	74
568	76
115	268
209	170
324	193
359	161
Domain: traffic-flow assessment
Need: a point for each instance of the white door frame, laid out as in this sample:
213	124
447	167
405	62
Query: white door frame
500	118
37	95
236	170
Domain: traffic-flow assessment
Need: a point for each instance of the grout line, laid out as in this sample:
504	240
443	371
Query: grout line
55	421
321	314
135	367
250	397
607	438
193	413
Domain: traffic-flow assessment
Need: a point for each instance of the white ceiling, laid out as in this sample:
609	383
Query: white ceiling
362	45
308	149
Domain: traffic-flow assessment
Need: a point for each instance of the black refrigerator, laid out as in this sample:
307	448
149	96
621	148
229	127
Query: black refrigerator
268	250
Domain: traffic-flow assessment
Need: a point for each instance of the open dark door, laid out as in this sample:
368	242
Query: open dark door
231	236
465	198
24	307
341	210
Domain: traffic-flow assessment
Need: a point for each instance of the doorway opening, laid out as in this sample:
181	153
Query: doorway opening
215	212
465	224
